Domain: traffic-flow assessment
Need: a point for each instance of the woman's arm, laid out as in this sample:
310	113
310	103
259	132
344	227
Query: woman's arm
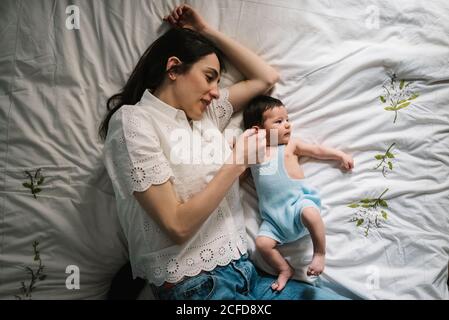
182	220
323	153
260	76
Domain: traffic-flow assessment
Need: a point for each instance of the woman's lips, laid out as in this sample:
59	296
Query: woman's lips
205	104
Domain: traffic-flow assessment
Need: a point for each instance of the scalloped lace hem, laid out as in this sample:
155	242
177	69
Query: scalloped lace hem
156	181
189	273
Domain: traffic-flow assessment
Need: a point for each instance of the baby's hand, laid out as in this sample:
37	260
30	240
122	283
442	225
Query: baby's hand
347	162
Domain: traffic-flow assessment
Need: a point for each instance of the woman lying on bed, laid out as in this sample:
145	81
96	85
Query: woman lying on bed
182	217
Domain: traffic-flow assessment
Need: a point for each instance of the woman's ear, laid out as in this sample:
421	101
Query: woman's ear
173	64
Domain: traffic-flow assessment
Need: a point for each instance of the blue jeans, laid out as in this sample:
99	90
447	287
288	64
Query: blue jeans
239	280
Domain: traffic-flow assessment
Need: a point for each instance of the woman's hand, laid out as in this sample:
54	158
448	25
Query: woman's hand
184	16
249	148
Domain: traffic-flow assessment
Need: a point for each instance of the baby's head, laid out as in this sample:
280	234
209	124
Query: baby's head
264	112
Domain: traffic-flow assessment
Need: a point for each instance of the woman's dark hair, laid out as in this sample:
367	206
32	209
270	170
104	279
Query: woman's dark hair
253	113
185	44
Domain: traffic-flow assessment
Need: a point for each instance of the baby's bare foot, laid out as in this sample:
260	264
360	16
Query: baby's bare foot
316	267
282	279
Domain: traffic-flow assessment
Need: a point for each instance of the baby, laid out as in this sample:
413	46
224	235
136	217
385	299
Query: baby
288	207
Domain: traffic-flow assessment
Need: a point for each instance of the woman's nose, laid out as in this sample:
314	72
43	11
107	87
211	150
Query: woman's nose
215	93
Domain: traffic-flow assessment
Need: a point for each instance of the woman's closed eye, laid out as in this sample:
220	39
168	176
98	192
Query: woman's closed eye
211	78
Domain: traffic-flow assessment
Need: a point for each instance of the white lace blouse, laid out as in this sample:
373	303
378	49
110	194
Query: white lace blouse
152	142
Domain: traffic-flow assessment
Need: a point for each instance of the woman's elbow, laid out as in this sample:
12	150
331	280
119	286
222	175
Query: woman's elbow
272	79
275	78
179	235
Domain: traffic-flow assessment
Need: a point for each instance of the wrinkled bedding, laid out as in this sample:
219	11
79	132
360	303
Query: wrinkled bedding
367	78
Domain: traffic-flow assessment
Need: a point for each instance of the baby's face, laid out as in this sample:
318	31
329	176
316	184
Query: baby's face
276	122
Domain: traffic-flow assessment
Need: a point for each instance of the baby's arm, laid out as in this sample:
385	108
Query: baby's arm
323	153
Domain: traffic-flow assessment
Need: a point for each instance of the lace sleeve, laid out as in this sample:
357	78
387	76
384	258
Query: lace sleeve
133	155
221	110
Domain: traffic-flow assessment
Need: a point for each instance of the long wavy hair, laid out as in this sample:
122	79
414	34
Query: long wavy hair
185	44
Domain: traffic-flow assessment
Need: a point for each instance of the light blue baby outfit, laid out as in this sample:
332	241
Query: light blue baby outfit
282	199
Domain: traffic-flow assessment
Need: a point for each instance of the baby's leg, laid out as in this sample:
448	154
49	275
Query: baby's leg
311	218
267	247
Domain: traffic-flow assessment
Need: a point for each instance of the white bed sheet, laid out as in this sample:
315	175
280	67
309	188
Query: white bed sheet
333	61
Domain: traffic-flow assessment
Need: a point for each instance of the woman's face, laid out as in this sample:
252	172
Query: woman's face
196	88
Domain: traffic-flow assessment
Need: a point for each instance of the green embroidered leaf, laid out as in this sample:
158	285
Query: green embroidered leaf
382	98
390	165
42	277
29	270
37	173
379	157
384	215
27	185
36	257
390	108
403	106
414	96
383	203
390	155
359	222
37	190
402	101
366	206
401	85
41	181
354	205
367	200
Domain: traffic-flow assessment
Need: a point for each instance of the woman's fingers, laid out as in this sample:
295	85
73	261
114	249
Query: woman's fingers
179	10
250	147
172	20
256	146
185	16
249	132
174	15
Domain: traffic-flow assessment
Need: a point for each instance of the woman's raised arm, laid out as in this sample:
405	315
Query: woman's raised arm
260	76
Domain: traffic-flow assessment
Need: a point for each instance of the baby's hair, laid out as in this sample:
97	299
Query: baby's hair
253	113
